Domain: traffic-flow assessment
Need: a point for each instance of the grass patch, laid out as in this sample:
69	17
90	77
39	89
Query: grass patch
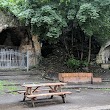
4	88
1	87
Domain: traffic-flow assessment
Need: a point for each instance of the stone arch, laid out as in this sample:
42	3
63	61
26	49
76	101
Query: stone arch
104	54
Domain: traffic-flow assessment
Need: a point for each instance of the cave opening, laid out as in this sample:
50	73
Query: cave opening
12	37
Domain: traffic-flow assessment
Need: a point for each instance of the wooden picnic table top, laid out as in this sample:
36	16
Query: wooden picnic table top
44	84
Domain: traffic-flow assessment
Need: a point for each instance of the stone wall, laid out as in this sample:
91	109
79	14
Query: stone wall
34	52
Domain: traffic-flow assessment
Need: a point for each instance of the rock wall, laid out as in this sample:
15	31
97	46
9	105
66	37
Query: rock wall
34	52
104	54
7	20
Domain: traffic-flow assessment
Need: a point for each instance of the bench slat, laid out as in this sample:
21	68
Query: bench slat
38	90
48	94
20	92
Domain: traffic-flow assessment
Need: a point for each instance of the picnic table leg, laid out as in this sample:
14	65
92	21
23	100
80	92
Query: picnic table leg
28	91
32	100
51	97
24	97
55	89
52	90
63	98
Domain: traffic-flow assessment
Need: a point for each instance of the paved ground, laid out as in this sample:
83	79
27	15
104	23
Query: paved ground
90	97
83	100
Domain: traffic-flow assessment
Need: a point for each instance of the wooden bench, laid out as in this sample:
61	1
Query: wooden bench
76	77
24	92
62	94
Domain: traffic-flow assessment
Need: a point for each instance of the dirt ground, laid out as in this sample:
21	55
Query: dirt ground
85	99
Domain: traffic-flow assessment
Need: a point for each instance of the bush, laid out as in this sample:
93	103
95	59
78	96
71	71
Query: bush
74	63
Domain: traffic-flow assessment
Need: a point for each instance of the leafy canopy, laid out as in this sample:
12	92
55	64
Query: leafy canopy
49	17
71	19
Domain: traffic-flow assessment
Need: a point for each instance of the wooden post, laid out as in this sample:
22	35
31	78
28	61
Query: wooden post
27	61
10	58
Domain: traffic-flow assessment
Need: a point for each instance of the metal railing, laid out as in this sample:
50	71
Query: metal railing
10	58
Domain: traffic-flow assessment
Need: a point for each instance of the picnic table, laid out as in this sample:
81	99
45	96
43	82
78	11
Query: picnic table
33	91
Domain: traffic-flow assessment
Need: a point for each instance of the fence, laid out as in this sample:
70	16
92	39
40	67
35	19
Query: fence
10	58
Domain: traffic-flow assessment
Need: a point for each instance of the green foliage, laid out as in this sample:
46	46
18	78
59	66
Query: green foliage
51	16
71	14
44	19
87	16
47	18
87	11
74	63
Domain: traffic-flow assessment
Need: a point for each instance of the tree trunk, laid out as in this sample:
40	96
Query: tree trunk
82	48
89	53
30	29
72	38
65	44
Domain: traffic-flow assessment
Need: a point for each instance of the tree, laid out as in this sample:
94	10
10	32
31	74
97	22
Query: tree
91	19
74	21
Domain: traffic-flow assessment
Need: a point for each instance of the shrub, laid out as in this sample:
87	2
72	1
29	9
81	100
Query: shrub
74	63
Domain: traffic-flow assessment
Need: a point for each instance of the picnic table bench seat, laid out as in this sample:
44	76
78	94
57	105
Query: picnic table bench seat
38	90
62	94
24	91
